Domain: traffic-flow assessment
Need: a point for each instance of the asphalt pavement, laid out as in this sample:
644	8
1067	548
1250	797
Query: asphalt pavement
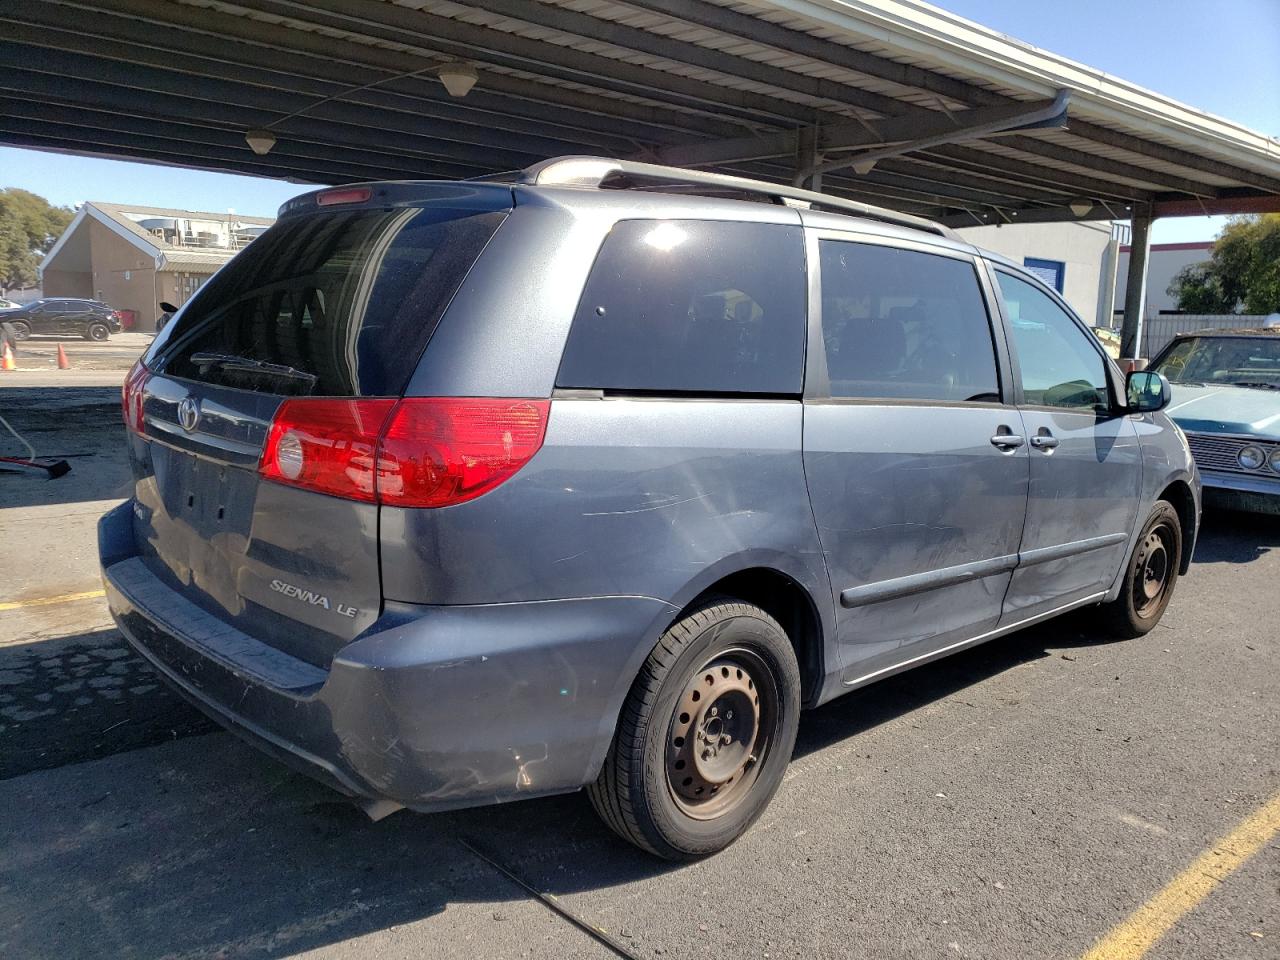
1015	801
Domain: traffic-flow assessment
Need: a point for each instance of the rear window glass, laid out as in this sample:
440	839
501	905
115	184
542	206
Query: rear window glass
346	300
692	306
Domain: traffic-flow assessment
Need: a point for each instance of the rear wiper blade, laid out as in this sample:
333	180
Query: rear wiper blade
228	361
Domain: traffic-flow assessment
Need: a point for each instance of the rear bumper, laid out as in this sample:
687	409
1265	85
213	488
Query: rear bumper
432	707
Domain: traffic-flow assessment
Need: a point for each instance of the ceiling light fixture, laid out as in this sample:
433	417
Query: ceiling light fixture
260	141
458	78
1080	206
863	167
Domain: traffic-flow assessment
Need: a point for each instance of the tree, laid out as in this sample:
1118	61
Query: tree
29	226
1197	290
1243	273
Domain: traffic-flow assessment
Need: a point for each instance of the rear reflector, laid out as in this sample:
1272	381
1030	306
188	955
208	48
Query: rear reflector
440	451
131	396
326	445
418	452
349	195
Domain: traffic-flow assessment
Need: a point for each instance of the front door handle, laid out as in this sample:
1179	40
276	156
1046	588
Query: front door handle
1045	441
1007	441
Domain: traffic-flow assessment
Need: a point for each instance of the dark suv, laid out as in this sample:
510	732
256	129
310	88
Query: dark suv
64	317
457	493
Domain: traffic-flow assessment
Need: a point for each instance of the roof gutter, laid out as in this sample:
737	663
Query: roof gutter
1053	115
922	32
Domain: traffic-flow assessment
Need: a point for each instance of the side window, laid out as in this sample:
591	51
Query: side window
692	306
1058	363
899	324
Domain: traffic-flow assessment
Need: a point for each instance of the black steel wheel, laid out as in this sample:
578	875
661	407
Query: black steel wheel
705	735
1149	578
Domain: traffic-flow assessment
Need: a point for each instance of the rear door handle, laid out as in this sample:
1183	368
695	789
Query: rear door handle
1007	441
1045	442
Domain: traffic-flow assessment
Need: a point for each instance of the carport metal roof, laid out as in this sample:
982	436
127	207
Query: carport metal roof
965	126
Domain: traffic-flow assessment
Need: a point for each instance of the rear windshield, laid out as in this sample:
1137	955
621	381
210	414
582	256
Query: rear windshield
346	301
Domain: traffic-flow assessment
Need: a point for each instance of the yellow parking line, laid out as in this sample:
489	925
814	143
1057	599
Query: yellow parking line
1132	938
47	601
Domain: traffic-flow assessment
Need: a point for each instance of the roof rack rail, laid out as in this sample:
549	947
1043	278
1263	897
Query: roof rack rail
597	171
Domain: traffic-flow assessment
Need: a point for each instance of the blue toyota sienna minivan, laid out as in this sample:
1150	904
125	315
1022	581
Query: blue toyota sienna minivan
452	493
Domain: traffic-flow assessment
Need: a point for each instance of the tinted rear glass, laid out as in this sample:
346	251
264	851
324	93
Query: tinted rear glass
903	324
692	306
349	298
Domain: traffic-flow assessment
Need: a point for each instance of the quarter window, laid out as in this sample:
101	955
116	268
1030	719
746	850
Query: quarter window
1058	365
899	324
691	306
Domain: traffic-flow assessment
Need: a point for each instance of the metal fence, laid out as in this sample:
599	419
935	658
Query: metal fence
1158	331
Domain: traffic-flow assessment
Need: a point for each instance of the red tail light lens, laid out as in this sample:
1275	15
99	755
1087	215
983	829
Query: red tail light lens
440	451
131	395
326	445
417	452
350	195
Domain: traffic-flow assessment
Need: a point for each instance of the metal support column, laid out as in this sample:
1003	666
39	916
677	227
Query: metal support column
1135	292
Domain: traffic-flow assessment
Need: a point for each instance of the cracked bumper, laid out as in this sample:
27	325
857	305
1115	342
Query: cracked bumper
434	707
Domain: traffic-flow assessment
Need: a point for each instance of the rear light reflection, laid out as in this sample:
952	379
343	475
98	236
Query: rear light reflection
131	397
417	452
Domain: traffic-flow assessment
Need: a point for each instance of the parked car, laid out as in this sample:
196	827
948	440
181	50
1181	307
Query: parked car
64	317
8	304
1226	397
458	493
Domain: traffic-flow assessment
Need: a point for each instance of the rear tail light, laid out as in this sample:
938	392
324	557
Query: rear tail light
326	445
440	451
417	452
131	396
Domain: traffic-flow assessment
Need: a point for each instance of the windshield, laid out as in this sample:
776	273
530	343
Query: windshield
1245	361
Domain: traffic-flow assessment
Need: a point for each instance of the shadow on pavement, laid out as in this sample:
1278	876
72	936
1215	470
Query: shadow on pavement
82	697
1230	536
79	424
888	699
196	833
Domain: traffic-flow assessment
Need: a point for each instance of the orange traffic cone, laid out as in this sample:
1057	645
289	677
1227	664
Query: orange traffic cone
8	362
63	362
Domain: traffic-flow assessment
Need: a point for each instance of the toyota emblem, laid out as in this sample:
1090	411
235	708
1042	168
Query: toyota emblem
189	413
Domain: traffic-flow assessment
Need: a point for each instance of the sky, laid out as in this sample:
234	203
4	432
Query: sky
1222	56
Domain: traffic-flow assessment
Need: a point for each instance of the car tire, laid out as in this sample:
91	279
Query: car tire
1149	577
97	332
724	680
21	329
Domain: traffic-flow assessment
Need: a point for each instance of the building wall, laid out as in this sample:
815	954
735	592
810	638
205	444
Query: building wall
1163	264
123	274
67	283
1081	247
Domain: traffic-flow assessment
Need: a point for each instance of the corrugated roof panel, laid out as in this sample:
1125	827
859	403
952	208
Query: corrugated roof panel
1001	148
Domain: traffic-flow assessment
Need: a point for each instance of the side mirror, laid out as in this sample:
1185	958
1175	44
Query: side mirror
168	307
1147	391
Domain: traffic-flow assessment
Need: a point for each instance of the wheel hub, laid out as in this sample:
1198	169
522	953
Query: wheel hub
713	737
1153	566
